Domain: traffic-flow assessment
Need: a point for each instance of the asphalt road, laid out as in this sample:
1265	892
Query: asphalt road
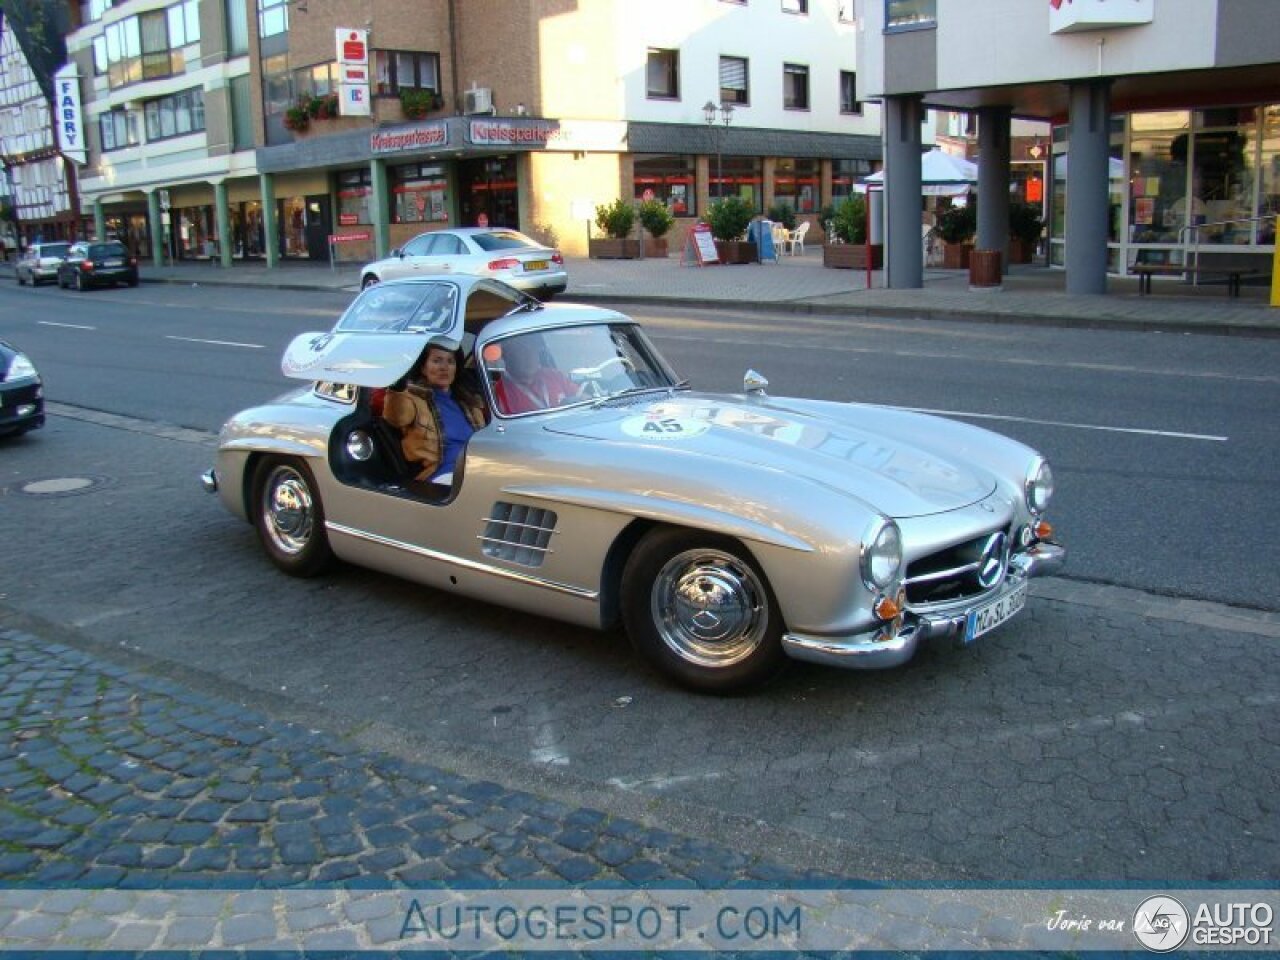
1163	445
1104	735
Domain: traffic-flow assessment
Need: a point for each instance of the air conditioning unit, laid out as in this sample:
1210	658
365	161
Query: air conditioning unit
478	100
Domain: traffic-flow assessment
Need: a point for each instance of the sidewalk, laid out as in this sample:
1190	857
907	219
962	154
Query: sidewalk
800	284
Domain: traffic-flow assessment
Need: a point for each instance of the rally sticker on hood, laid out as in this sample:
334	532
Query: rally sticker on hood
660	426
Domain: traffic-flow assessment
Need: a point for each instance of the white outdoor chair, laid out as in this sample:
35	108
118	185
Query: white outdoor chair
780	238
796	238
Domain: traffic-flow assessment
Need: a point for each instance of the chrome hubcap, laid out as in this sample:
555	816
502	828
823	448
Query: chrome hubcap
710	608
288	509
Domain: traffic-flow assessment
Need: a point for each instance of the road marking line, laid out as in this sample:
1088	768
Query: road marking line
73	326
219	343
1058	423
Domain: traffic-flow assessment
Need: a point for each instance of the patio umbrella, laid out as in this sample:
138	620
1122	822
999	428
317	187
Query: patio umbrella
941	175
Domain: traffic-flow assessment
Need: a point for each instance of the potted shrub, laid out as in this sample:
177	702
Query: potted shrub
729	219
416	104
783	214
956	227
615	221
323	107
1024	231
846	246
657	221
296	118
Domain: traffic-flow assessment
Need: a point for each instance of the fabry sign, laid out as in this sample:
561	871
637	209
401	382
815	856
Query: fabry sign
67	115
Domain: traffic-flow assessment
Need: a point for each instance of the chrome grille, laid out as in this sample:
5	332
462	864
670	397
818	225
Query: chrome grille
518	533
964	570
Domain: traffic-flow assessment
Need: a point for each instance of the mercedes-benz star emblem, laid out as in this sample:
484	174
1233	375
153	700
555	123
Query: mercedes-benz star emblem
991	564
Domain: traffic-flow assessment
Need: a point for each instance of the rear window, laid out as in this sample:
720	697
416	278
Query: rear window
402	308
502	240
53	249
106	250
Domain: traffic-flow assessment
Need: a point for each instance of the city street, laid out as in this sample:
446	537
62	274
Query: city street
1123	728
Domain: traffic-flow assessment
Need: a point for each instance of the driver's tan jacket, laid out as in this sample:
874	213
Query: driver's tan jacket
413	411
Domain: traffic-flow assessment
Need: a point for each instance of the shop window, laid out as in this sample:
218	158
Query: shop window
849	102
396	70
741	177
795	86
420	194
273	17
733	80
910	14
662	75
355	191
796	184
844	174
668	179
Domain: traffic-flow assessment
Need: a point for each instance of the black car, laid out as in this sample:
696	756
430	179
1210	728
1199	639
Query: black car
21	392
94	263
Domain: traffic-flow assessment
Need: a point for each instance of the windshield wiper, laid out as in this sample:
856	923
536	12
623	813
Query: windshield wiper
528	303
640	388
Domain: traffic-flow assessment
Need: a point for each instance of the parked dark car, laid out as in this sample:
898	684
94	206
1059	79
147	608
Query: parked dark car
98	263
40	262
21	392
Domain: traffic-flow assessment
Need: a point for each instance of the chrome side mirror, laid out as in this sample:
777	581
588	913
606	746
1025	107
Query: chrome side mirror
753	382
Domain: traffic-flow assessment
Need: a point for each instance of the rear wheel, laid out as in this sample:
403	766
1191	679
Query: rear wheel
18	277
699	609
287	511
80	284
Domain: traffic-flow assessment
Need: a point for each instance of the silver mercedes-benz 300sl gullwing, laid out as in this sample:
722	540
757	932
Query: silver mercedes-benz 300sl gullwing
726	532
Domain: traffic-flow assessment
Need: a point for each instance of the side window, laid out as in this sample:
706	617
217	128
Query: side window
447	245
417	247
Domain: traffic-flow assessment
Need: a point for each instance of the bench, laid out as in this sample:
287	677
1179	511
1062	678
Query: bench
1151	263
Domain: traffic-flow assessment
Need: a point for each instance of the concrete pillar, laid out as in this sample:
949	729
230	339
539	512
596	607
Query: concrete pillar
904	252
155	226
270	230
1087	186
222	217
99	221
380	208
993	181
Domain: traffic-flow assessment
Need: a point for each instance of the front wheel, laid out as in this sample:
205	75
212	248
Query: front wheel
290	518
80	284
699	609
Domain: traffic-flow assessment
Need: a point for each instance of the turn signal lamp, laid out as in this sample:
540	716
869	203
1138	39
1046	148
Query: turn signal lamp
886	608
1043	529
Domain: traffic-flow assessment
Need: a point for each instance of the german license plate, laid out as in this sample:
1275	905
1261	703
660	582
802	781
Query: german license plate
991	615
534	265
113	263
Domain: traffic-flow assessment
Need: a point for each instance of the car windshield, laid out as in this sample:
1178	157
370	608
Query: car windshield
106	250
529	372
502	240
54	249
402	308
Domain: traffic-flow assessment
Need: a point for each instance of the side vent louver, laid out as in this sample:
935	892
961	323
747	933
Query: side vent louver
518	534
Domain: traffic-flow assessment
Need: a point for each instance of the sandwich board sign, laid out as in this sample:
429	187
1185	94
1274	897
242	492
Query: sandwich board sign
699	247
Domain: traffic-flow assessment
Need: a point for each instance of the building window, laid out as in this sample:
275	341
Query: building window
100	63
733	80
669	179
795	86
317	81
273	17
237	27
176	115
149	45
396	70
184	24
849	102
844	174
796	184
844	11
910	14
94	9
118	130
241	113
662	75
124	53
795	6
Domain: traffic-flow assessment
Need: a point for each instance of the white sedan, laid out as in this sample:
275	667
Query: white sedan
497	252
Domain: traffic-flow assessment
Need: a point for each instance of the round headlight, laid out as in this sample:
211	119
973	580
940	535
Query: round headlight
359	445
881	555
1039	486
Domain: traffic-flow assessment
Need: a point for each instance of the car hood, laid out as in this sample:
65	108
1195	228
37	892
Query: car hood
848	447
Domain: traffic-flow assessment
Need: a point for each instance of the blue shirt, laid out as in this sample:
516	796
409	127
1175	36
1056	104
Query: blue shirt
457	430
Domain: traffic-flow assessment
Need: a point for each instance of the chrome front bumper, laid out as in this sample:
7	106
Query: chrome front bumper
883	647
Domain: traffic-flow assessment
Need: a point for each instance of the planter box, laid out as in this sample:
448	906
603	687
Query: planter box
736	251
612	248
655	247
955	256
1020	251
852	256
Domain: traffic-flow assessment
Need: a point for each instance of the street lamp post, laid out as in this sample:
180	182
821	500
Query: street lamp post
709	111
